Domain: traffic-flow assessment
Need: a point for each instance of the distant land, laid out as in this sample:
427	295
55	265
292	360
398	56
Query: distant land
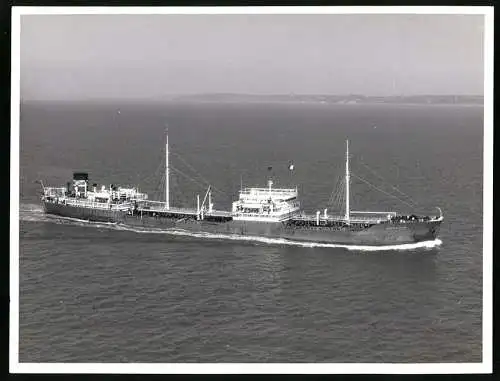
287	98
333	99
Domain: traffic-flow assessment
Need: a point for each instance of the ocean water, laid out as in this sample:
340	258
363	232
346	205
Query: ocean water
94	292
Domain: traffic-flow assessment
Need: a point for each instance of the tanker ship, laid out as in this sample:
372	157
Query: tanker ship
259	211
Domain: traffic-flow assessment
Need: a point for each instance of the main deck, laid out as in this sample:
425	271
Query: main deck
158	208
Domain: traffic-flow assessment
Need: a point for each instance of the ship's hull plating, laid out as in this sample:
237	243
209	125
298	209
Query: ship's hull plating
375	235
98	215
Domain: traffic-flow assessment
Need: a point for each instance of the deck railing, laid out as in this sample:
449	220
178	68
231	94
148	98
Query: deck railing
160	207
311	217
94	204
274	191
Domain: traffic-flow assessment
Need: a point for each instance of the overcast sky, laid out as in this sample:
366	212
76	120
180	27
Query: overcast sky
151	56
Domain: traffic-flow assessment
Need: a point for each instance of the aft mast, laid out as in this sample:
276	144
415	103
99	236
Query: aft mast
167	190
347	176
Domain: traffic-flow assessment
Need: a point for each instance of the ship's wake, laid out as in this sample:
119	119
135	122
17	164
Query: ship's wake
34	213
282	241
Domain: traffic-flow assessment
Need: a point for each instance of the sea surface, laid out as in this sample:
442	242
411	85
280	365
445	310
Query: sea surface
94	292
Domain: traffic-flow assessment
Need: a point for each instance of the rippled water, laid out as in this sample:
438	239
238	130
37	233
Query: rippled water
104	293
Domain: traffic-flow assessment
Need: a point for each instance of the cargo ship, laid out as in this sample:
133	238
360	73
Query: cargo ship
258	212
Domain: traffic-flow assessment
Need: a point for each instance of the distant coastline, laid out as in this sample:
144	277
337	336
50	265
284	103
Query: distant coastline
333	99
224	98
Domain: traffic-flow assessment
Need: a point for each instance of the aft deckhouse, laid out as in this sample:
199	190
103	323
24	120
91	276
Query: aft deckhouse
79	193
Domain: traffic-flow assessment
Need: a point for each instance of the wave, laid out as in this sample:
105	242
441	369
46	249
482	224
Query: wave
34	213
281	241
36	208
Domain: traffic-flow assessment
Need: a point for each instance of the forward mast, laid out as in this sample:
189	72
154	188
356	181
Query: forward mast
167	174
347	180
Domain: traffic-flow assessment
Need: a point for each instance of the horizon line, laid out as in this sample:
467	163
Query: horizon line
171	96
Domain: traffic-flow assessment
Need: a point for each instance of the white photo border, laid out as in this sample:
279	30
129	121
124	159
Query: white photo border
486	366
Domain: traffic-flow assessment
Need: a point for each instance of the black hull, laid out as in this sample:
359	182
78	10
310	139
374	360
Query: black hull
376	235
97	215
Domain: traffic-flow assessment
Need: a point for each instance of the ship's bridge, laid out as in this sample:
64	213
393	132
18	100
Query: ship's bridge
259	194
266	204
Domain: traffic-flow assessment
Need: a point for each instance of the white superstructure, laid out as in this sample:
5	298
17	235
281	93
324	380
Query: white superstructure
116	194
266	204
79	194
